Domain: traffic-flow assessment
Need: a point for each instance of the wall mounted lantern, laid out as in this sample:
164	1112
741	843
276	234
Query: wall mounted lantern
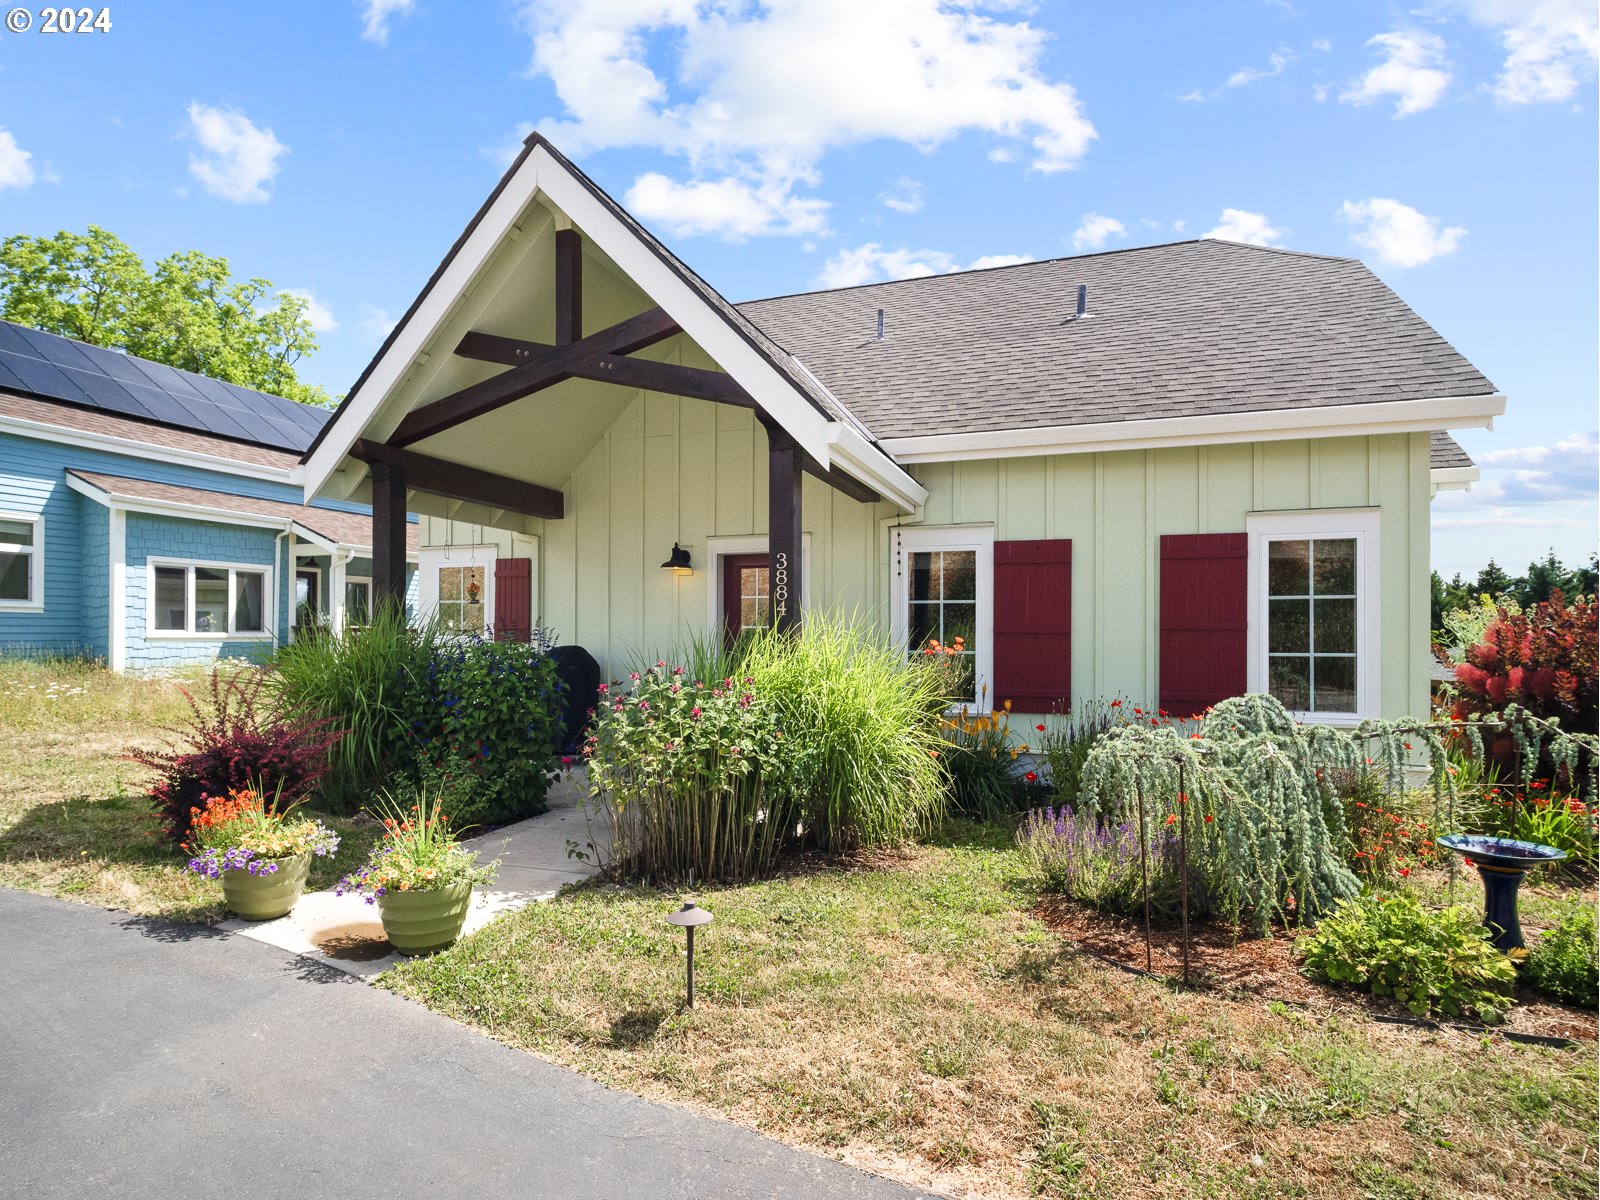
678	561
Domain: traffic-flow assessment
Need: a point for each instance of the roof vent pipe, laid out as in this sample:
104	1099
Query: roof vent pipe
1083	303
880	326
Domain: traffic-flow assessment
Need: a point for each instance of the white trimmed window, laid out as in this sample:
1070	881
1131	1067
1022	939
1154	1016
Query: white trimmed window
943	589
198	599
1314	618
21	562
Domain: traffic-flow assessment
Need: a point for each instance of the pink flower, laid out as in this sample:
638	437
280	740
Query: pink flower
634	677
695	713
604	688
677	670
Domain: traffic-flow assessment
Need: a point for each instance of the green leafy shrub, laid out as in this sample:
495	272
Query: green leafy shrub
361	682
495	706
1432	962
691	779
1563	963
869	718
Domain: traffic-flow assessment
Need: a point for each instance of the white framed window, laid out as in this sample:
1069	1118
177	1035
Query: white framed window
1314	612
456	587
190	599
943	589
357	601
21	562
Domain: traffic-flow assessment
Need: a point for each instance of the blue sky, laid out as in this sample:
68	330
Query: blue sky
338	148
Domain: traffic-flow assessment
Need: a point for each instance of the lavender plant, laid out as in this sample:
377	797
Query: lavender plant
1097	863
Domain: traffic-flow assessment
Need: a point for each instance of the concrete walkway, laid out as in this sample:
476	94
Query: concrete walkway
345	932
142	1059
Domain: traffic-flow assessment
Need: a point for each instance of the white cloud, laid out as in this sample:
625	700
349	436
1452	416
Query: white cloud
376	13
1238	225
16	164
1568	470
1094	230
731	208
1192	96
1414	70
1551	46
236	159
754	97
904	197
1321	45
1279	61
872	263
375	16
375	324
1397	233
319	314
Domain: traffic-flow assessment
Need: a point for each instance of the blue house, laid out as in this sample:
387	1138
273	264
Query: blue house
152	517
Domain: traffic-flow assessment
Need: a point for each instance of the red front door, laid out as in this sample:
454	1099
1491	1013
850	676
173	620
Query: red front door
746	595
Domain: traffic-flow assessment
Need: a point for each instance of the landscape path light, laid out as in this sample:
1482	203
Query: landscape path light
690	916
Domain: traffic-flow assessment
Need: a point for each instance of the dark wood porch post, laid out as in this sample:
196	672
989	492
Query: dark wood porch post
783	527
388	534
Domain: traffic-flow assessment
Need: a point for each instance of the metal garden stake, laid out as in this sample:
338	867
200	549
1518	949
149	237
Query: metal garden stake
689	916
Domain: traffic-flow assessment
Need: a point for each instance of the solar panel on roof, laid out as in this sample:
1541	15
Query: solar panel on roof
58	368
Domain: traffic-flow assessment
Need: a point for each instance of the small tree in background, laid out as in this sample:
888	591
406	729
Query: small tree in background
189	312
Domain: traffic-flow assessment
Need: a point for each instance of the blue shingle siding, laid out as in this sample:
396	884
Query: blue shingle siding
95	576
32	484
199	541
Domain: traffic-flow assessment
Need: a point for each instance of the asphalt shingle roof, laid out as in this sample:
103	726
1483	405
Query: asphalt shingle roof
1184	329
336	525
1445	452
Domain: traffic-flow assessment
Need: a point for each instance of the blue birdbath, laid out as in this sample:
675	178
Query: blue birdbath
1502	862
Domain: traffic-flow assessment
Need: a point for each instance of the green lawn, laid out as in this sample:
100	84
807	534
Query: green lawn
907	1014
74	820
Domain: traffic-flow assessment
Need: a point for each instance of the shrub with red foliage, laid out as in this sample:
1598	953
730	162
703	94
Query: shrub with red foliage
1543	660
234	742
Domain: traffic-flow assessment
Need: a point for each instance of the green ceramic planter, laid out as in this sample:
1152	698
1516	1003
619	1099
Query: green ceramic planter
422	922
264	897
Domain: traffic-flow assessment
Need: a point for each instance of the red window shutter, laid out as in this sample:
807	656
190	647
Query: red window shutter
1033	625
513	599
1204	620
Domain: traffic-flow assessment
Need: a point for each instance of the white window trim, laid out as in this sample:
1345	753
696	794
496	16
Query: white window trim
268	601
348	580
430	558
719	548
980	538
35	553
1362	524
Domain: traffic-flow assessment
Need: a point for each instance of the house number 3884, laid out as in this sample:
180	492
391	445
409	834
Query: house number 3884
780	584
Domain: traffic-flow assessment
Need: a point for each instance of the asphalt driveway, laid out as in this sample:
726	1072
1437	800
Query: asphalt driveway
144	1059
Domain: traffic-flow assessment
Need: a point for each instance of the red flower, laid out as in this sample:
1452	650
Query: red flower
1209	818
1032	777
1040	728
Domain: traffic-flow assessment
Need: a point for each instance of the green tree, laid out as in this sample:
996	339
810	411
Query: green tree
188	312
1493	580
1542	578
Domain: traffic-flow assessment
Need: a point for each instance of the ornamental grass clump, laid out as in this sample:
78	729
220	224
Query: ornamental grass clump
690	778
243	832
418	852
867	720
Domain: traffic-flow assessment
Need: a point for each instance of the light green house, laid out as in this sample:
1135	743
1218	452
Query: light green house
1171	473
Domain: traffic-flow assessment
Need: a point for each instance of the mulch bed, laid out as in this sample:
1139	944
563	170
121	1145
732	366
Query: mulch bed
1225	961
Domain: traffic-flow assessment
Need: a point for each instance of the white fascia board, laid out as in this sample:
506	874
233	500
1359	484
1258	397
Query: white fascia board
88	440
539	172
1273	425
362	405
1453	479
859	458
776	395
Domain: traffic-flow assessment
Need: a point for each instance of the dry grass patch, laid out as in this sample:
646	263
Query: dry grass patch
909	1015
74	818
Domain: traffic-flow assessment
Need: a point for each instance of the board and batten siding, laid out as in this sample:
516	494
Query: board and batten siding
684	470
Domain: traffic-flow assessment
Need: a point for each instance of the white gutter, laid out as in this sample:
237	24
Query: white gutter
1274	425
1453	479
